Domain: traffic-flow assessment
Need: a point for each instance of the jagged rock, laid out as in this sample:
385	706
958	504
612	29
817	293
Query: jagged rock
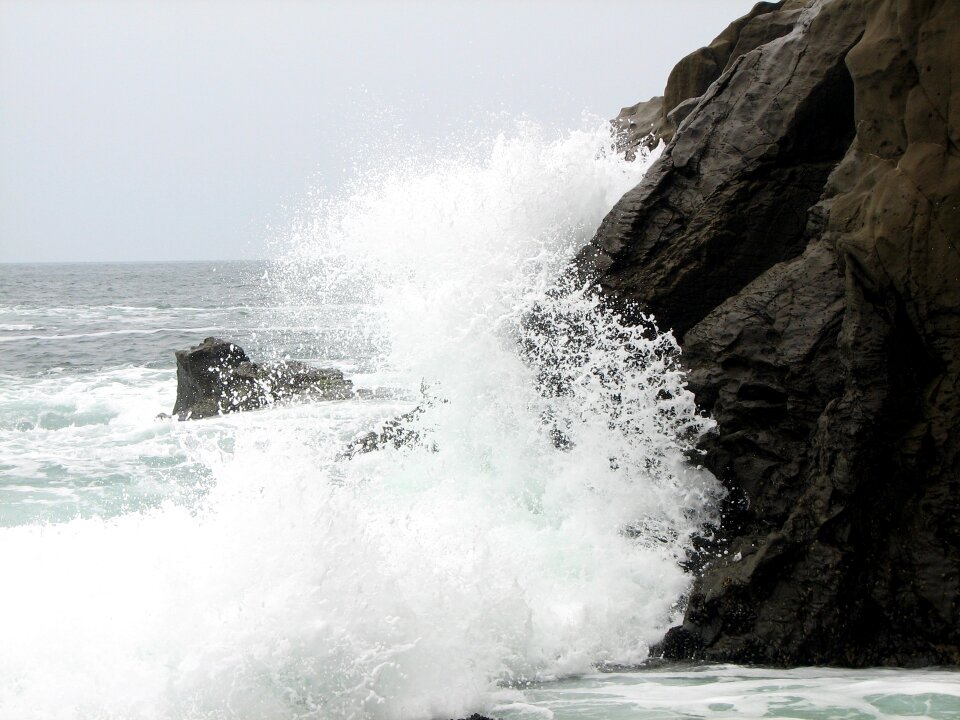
710	215
695	73
644	125
639	127
217	377
800	235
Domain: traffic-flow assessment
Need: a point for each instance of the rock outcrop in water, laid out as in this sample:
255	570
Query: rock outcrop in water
801	236
217	377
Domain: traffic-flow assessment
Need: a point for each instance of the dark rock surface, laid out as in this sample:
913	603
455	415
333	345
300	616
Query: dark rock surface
801	235
646	123
691	77
217	377
639	127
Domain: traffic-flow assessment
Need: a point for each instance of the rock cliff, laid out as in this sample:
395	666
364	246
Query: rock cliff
801	236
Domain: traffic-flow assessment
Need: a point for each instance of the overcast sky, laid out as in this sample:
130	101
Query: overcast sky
136	130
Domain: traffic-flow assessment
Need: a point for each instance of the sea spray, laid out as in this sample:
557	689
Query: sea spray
408	582
455	259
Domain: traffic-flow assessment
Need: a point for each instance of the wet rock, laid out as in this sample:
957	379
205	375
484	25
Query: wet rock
396	432
642	126
217	377
799	235
694	74
710	216
393	433
639	127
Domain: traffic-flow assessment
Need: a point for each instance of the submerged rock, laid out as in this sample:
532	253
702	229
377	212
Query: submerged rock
393	433
800	235
217	377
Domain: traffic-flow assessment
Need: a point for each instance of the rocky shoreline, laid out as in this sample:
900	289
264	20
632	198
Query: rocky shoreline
801	237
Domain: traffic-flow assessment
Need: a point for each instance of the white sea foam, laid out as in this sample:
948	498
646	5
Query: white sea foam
730	691
532	530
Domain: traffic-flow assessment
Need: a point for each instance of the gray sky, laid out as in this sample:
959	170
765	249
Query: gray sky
148	130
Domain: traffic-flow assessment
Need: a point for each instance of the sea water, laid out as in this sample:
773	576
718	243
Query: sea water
524	541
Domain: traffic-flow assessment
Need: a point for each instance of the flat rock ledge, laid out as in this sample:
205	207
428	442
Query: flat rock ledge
216	377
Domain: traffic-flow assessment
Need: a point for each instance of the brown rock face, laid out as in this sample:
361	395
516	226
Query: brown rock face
693	75
646	123
640	126
801	234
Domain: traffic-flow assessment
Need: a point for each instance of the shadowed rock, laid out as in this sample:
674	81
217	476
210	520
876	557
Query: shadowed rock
639	127
217	377
645	124
394	433
694	74
800	235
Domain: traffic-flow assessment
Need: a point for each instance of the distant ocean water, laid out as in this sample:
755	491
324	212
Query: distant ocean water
86	363
242	567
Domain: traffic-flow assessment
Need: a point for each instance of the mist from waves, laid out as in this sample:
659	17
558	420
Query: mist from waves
532	531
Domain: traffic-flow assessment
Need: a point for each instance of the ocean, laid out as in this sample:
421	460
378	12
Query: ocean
517	559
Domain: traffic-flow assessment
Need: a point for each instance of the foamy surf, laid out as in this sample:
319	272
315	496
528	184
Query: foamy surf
730	691
532	531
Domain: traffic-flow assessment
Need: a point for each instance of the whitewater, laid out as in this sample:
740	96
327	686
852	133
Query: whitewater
514	558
